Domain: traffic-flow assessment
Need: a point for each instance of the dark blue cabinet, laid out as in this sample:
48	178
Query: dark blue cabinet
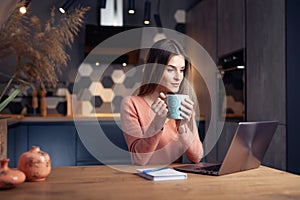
83	156
105	141
59	141
67	147
62	142
17	143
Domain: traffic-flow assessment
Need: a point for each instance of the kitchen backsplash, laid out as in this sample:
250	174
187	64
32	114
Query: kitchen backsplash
98	92
102	92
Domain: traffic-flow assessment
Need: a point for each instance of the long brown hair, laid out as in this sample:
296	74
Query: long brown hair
158	57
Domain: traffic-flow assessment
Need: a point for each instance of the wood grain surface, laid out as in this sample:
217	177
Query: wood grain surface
103	182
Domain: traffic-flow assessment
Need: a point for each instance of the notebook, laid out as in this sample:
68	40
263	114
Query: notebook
161	174
246	151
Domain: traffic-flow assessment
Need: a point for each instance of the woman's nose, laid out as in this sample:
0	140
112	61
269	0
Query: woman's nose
177	75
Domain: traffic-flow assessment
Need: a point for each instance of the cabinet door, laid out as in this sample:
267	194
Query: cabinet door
110	149
231	26
201	25
83	156
59	141
266	75
17	143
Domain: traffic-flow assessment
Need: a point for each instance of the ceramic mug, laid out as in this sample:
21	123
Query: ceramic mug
174	104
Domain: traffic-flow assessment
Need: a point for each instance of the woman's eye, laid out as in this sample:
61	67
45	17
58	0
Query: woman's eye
170	69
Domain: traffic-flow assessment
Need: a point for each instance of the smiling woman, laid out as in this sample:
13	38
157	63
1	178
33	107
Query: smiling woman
152	138
173	74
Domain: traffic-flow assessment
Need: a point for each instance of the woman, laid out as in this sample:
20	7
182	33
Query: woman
151	137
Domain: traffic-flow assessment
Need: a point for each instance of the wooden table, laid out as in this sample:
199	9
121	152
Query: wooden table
102	182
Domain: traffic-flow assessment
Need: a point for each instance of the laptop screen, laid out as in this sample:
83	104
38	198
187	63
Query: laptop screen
246	151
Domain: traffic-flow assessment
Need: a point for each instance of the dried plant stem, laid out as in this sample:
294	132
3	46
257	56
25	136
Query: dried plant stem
7	85
16	79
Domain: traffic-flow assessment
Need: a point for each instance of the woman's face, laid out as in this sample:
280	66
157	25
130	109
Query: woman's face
173	74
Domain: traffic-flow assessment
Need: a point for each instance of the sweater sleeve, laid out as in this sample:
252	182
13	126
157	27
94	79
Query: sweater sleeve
142	139
194	151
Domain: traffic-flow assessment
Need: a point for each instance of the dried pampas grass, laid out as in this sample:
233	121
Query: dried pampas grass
40	49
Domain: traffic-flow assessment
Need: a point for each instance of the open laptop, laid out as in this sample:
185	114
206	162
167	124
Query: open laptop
246	151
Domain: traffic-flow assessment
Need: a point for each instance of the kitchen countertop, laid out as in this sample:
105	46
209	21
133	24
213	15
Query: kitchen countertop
51	118
13	119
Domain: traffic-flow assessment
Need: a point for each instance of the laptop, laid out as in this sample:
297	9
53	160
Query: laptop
246	151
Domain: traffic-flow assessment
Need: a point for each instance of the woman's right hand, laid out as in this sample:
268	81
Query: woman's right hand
159	107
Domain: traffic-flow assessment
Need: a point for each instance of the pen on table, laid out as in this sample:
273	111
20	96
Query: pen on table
154	170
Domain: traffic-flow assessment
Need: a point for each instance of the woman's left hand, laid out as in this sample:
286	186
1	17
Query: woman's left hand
187	113
187	110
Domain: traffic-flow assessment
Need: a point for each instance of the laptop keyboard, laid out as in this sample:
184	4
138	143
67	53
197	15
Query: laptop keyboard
210	168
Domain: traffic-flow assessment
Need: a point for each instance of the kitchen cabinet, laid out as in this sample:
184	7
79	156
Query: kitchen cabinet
231	26
83	156
59	141
201	25
101	149
62	142
221	30
261	25
17	140
266	72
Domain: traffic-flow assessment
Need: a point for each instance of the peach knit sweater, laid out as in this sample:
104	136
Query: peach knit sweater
147	144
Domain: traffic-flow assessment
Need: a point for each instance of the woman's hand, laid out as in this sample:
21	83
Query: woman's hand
159	107
187	111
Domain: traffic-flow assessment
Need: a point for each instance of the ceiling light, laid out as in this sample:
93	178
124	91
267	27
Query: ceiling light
147	12
131	7
63	9
23	9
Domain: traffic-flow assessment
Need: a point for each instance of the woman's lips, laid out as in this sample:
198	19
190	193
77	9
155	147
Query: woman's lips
175	84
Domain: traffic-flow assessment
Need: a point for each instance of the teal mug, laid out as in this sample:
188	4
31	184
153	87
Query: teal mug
174	104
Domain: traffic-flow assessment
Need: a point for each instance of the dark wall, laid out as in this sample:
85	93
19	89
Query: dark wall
166	9
266	89
293	94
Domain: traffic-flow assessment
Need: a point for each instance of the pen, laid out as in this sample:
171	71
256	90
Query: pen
154	170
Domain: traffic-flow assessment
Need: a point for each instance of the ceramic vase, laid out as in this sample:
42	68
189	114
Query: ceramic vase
35	164
9	178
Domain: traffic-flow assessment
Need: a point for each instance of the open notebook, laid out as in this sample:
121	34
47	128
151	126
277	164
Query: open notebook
246	151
